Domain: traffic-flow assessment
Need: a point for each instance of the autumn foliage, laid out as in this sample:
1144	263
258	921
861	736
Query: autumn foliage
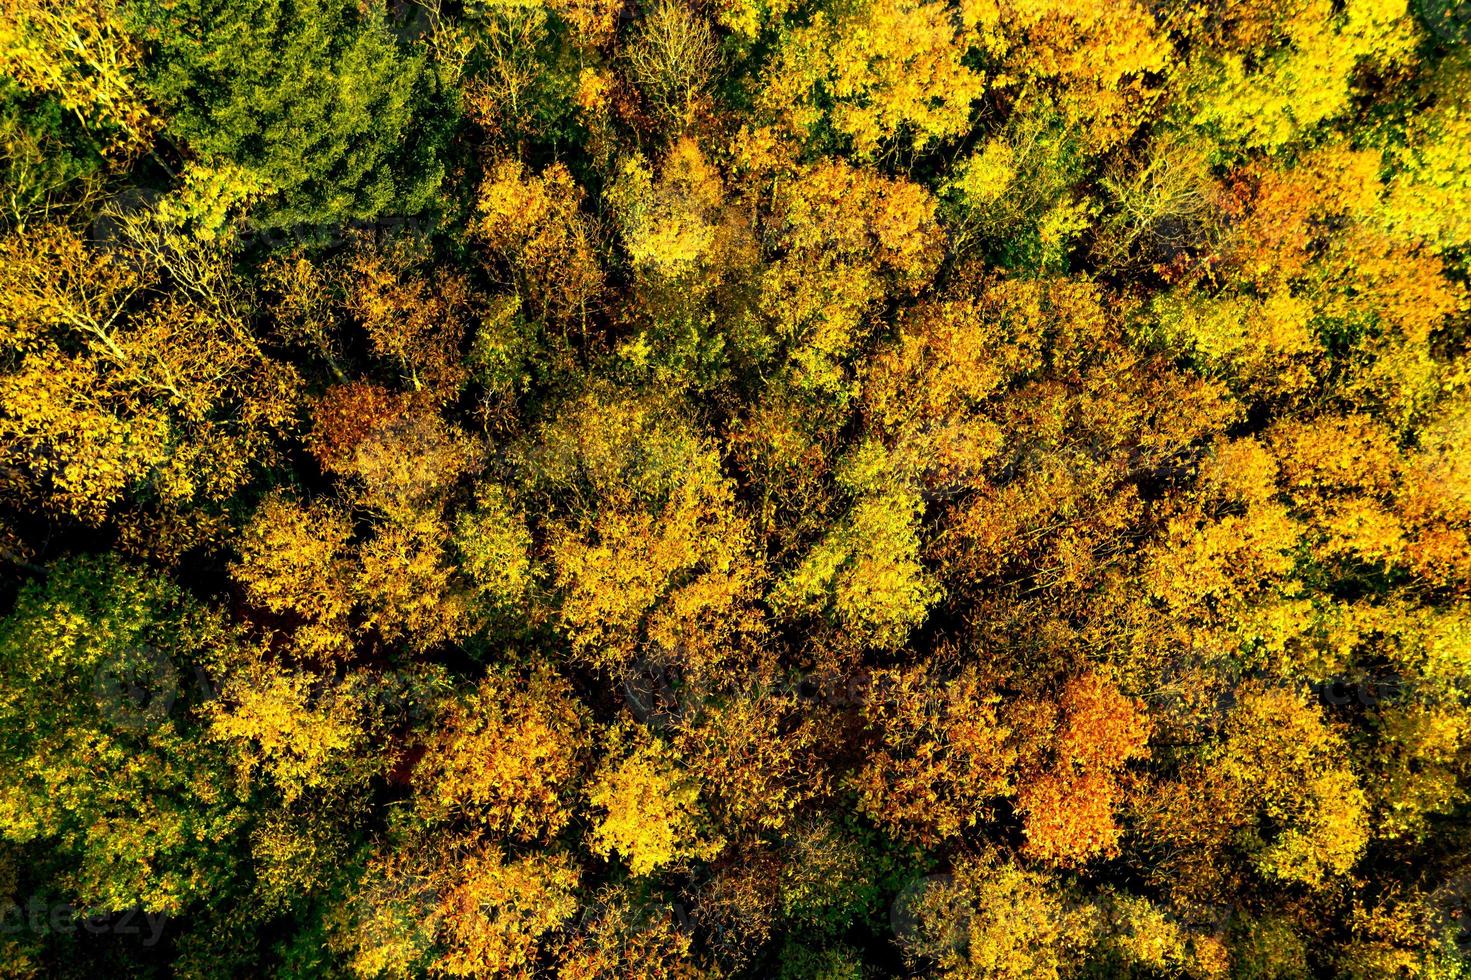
796	489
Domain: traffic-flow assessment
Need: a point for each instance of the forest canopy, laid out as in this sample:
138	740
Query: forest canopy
796	489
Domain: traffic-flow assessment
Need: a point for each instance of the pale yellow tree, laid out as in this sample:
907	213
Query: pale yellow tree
647	806
882	72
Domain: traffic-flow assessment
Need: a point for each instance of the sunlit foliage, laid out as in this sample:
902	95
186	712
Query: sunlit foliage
819	490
